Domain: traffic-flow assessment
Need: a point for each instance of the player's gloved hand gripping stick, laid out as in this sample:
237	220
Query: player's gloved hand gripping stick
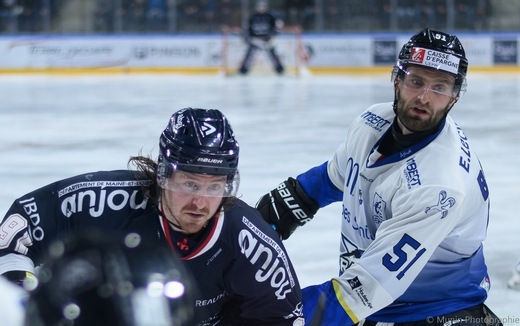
287	207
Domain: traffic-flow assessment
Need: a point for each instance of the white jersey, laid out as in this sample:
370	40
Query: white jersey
413	223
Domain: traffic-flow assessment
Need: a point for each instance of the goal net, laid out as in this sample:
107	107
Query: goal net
287	43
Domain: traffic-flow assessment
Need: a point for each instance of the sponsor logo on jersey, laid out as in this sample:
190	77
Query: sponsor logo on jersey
411	174
31	209
215	255
102	184
374	121
357	288
354	283
207	302
351	175
271	260
435	59
364	299
352	220
96	196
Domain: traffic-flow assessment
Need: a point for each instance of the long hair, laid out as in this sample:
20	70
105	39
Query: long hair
148	168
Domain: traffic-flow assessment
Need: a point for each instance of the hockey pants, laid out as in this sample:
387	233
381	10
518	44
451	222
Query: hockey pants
248	59
479	315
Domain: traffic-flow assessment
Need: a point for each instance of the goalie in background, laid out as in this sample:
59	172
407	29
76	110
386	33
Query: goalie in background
262	26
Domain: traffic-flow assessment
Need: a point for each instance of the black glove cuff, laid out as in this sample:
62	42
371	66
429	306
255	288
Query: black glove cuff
311	206
299	208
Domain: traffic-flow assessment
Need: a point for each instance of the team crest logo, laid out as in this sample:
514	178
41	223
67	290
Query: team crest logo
442	205
379	209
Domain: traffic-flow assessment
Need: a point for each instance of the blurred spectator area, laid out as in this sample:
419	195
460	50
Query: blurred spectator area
209	16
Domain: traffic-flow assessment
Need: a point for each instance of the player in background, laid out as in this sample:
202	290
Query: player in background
514	281
262	27
415	203
184	201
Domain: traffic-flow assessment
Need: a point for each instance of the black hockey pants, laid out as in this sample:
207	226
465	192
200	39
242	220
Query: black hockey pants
479	315
248	59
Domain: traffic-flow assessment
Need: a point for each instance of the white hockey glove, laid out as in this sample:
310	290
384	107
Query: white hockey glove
287	207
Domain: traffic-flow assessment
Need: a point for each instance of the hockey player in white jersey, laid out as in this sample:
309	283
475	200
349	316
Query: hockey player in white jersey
415	204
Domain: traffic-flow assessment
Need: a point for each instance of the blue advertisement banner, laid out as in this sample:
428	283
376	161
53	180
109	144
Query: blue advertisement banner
385	52
505	52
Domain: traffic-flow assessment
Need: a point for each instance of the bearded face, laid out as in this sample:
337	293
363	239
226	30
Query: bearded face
423	98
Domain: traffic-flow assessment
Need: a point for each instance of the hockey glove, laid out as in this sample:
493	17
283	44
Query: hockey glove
23	278
287	207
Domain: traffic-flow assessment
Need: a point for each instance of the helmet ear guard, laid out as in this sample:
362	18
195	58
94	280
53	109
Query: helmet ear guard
162	174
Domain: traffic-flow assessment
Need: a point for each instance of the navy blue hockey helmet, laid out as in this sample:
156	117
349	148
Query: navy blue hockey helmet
435	50
91	279
199	141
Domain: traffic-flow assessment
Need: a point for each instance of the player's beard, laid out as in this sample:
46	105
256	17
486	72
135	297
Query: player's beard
416	123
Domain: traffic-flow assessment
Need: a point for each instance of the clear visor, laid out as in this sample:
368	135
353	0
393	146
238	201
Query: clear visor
440	84
174	178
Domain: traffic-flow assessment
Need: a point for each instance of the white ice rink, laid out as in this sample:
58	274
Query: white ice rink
53	127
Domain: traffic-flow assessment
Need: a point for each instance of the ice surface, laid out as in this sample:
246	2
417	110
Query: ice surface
54	127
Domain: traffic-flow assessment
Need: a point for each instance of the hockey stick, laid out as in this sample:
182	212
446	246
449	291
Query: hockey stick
320	311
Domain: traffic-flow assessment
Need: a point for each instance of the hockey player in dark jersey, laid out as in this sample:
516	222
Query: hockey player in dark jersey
262	26
185	201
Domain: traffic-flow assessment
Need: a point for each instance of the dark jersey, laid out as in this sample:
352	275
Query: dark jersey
262	25
241	268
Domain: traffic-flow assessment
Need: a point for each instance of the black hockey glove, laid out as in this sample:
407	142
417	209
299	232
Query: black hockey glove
287	207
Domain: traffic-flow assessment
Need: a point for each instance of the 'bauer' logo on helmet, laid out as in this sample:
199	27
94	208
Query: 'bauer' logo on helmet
209	160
